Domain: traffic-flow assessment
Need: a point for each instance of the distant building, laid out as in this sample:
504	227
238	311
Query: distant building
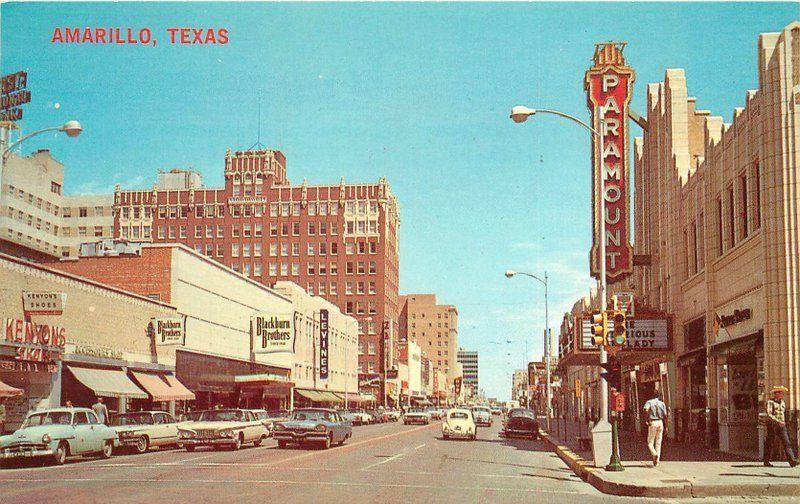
469	363
434	328
37	221
519	386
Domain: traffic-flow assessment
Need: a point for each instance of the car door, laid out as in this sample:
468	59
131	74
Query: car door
160	430
170	426
83	432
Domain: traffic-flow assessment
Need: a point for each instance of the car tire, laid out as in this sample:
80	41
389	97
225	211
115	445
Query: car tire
108	449
327	443
238	443
142	444
189	448
445	436
258	441
281	444
60	456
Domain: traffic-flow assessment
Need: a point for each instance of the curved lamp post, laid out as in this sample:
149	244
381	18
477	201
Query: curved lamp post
548	390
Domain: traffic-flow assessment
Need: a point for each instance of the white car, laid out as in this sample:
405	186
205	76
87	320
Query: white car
143	430
263	416
416	415
459	423
229	428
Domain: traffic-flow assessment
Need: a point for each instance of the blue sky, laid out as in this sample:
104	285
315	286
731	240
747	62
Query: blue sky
418	93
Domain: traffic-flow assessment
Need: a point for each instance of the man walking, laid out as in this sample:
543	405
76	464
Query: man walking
776	426
656	415
100	410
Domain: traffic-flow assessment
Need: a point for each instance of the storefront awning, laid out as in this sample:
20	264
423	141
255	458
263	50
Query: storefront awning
9	391
330	397
312	395
163	387
107	382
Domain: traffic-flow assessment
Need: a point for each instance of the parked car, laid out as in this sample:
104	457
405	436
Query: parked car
279	415
377	416
392	414
230	428
59	433
521	422
416	415
496	410
263	416
362	417
313	425
139	431
482	416
459	423
347	416
435	413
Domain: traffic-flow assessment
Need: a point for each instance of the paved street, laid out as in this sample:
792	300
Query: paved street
382	463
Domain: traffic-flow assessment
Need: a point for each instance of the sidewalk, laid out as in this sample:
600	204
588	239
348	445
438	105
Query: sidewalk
684	471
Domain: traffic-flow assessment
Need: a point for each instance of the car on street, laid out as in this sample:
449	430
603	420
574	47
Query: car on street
521	422
222	428
392	414
319	426
482	416
459	423
416	416
496	410
361	417
142	430
377	416
59	433
279	415
263	416
435	413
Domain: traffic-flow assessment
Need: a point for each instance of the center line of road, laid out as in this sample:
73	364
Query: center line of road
393	457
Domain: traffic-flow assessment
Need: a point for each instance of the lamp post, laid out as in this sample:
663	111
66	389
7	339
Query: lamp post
547	351
520	114
71	128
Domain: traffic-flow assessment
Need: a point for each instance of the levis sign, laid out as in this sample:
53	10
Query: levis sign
609	86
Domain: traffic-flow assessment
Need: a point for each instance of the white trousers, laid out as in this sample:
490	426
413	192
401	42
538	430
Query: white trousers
655	432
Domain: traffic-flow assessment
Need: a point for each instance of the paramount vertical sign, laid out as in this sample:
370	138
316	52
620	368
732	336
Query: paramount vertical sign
609	86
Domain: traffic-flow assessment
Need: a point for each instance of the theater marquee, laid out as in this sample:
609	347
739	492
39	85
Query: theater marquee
609	86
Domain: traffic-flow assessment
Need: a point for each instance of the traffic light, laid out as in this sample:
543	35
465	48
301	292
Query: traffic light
620	328
613	373
599	328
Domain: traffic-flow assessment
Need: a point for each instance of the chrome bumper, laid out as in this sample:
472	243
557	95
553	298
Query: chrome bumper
15	454
207	442
300	436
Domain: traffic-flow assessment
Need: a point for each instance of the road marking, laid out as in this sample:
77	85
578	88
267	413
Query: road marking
350	445
393	457
290	482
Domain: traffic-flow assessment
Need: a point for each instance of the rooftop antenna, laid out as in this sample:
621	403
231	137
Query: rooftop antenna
258	138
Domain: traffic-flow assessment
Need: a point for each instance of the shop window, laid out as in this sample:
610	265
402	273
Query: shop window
756	196
731	217
743	206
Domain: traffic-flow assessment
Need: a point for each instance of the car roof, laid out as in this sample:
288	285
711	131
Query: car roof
459	410
140	412
61	410
328	410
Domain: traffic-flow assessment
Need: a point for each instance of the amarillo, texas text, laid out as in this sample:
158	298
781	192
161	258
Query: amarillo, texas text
179	35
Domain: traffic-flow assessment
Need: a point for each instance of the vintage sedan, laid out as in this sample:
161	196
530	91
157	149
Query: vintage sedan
482	416
59	433
313	425
263	416
142	430
459	423
416	415
521	422
223	428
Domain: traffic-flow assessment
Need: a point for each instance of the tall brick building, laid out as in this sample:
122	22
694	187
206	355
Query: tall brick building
434	328
336	241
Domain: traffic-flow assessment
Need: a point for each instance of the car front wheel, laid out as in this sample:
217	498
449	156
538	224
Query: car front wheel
327	443
281	444
142	444
237	444
108	448
60	456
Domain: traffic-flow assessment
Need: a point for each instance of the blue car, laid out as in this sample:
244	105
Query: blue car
57	434
319	426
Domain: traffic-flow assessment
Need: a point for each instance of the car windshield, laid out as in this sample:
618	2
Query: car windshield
516	413
312	415
223	416
50	418
480	410
133	419
416	410
278	413
459	415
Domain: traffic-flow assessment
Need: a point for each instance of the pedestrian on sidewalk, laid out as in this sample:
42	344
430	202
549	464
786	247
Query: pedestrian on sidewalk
100	410
776	426
656	412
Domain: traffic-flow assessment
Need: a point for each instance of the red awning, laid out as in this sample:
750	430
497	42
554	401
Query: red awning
163	387
9	391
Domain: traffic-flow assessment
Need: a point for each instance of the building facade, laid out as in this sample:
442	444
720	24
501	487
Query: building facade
716	207
434	328
86	339
339	242
469	365
218	359
39	222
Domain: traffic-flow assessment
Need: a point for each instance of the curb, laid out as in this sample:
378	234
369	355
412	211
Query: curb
594	476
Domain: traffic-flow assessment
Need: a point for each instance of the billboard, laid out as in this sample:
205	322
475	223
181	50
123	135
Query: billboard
43	303
272	333
167	330
609	86
643	334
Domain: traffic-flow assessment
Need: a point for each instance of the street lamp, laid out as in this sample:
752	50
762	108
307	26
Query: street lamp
548	394
520	114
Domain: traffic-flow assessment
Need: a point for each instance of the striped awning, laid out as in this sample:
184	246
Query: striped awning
163	387
9	391
107	382
312	395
